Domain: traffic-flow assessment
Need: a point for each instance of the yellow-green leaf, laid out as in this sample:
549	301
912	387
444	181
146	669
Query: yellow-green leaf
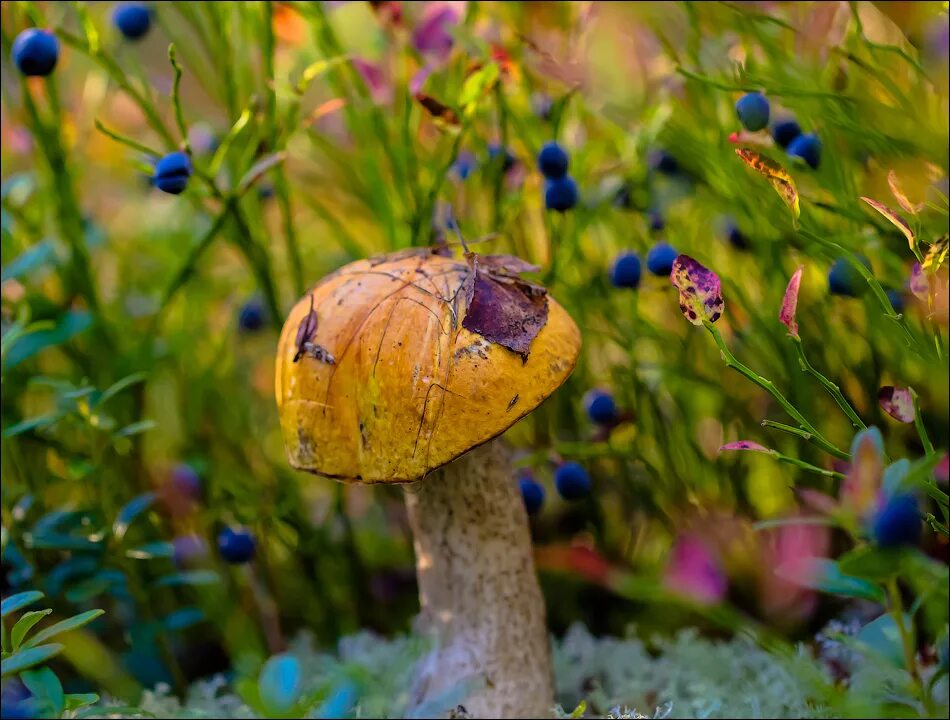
895	219
899	195
476	86
779	178
936	255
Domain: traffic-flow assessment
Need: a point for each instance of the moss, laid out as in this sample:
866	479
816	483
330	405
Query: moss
685	676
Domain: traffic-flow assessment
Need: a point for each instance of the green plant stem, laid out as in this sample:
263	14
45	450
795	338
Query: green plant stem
908	643
868	276
919	423
831	387
813	435
807	466
498	189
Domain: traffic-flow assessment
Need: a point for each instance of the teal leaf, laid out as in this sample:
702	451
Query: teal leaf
28	657
19	601
825	575
64	626
883	638
184	618
280	683
159	549
71	324
188	577
33	258
25	624
132	510
46	688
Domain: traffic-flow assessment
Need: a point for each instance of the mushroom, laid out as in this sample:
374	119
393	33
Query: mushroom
407	369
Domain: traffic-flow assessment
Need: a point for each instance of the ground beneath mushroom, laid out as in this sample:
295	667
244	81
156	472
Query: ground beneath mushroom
682	677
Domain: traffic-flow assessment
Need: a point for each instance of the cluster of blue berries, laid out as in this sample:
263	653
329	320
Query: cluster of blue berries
560	190
36	51
570	478
753	111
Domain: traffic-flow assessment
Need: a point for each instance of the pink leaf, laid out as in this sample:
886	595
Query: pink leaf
419	79
380	89
745	445
897	402
859	491
433	33
942	471
700	291
693	571
790	302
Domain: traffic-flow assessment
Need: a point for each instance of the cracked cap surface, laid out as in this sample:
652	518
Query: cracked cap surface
394	387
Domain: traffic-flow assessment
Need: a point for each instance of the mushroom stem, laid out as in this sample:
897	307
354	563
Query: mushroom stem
479	593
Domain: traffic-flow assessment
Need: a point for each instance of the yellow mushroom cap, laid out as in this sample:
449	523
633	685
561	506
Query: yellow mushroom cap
379	382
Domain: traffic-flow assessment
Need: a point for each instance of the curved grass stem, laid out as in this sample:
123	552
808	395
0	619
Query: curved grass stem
811	433
831	387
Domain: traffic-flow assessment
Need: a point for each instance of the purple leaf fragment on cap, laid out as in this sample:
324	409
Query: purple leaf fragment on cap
700	291
502	307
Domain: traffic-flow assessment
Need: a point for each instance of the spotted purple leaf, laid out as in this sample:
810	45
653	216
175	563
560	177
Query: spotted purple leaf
700	291
790	302
897	402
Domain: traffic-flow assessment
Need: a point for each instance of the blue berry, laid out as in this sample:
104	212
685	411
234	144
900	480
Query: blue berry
753	111
897	523
18	702
845	280
172	173
660	259
808	148
657	222
185	481
532	492
737	239
132	19
784	131
553	161
252	316
236	546
600	406
35	52
560	194
625	272
665	163
465	163
495	150
572	480
897	299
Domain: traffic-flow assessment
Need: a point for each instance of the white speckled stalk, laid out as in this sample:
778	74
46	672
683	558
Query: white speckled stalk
478	590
